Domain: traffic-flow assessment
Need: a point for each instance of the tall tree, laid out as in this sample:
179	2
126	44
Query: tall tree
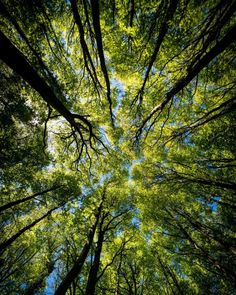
117	147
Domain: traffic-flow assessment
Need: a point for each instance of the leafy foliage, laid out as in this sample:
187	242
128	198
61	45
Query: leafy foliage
117	138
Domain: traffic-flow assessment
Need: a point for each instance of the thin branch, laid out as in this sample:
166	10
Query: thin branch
163	30
220	46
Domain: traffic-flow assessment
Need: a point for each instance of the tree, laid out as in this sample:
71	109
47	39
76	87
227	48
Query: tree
117	160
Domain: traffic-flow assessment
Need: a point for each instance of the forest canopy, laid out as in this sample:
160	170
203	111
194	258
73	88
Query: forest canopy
117	147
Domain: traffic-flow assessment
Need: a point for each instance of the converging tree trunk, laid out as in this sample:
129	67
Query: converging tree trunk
93	273
8	242
17	202
76	268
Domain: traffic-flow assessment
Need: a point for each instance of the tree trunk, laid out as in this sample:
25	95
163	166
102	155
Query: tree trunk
193	72
76	268
206	256
17	61
92	278
98	35
14	203
86	55
8	242
163	30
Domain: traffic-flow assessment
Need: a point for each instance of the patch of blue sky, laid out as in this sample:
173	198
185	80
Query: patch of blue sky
104	137
51	279
104	178
50	283
119	232
135	221
121	92
212	204
148	236
187	139
86	190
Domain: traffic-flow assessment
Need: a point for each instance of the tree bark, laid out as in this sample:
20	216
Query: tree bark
163	30
86	54
206	257
224	185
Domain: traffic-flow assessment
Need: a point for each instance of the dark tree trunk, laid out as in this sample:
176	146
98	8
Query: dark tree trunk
17	202
163	30
207	231
93	273
86	54
98	36
205	255
8	242
193	72
17	61
224	185
76	268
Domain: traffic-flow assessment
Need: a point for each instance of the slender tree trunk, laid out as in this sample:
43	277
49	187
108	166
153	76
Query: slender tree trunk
18	62
86	54
92	278
207	232
193	72
163	30
98	35
229	185
17	202
118	291
133	274
76	268
8	242
222	269
166	274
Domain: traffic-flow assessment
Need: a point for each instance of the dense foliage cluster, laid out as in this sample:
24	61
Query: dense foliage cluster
117	147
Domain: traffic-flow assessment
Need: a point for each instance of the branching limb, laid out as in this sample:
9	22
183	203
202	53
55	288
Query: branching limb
163	30
17	61
87	57
192	72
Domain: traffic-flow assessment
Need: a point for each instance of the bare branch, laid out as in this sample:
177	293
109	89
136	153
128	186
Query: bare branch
192	72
